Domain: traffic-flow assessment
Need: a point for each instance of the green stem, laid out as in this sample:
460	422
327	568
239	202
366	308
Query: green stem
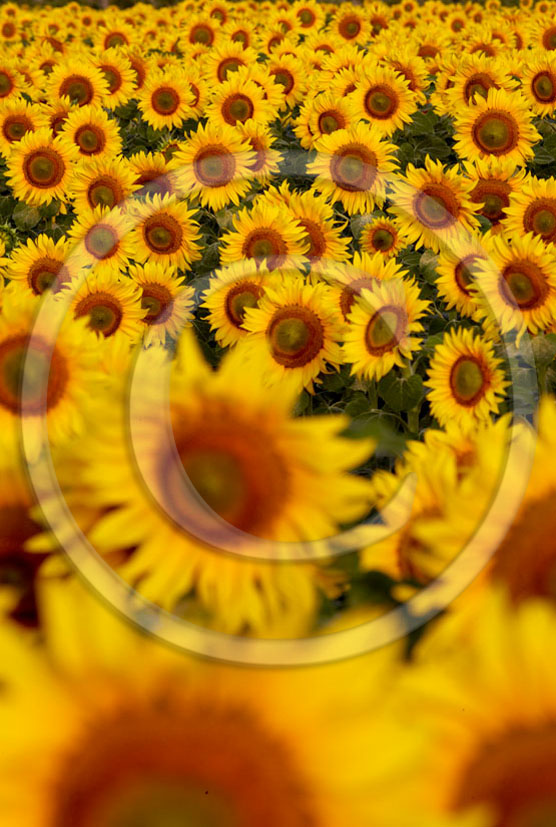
373	395
413	419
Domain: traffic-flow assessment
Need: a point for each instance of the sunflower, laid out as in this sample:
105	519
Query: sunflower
167	301
177	736
93	133
383	327
17	118
289	72
295	333
321	115
543	30
201	29
239	98
153	174
114	34
456	268
489	729
101	240
40	167
104	182
499	125
110	306
119	75
496	181
410	66
79	80
347	280
433	205
54	115
538	83
166	98
228	57
239	31
383	97
199	90
352	167
230	292
309	14
12	82
69	371
478	74
164	232
261	141
466	380
517	283
213	165
268	232
532	209
351	24
382	235
140	66
255	466
41	264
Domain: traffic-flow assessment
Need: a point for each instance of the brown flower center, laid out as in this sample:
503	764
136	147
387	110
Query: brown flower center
44	168
436	206
354	168
115	39
229	64
543	87
104	312
78	89
113	78
214	166
284	78
165	100
385	329
239	298
330	121
6	84
381	101
465	271
382	239
478	84
15	127
157	301
523	285
18	360
46	272
266	243
201	34
315	237
351	290
468	380
102	241
237	107
349	27
549	39
495	196
90	139
540	218
296	336
162	234
496	133
105	191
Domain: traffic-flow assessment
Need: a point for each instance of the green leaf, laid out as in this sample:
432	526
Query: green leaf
544	349
401	393
380	427
25	217
358	404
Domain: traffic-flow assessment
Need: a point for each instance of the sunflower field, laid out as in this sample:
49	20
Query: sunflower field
277	423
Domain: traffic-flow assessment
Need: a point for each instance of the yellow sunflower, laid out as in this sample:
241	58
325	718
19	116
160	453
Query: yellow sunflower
433	205
495	183
410	66
54	115
382	235
41	264
212	164
114	34
538	83
153	174
93	133
261	141
383	97
164	232
477	74
267	233
264	473
230	292
289	72
351	24
79	80
17	118
201	29
383	327
182	738
227	57
105	182
12	82
352	166
166	299
517	283
70	373
532	209
321	115
499	125
119	75
40	168
466	380
101	240
239	99
347	280
294	332
166	98
456	268
110	306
